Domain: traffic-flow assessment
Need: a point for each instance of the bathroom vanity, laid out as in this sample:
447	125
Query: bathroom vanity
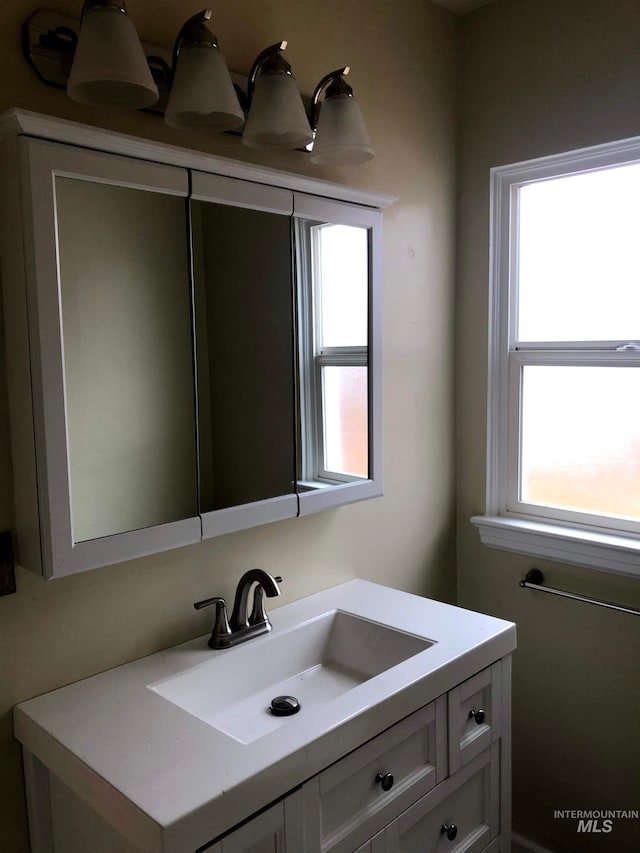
401	743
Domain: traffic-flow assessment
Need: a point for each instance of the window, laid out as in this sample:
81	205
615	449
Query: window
334	353
563	476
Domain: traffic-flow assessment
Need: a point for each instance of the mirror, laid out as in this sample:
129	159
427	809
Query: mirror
244	342
280	365
127	351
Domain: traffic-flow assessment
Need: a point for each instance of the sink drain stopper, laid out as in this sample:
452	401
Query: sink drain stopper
284	706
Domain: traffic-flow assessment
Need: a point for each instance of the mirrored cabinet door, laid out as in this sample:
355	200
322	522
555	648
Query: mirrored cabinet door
242	260
113	396
338	352
190	352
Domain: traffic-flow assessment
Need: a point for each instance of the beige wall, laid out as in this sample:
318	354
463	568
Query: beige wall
404	75
540	78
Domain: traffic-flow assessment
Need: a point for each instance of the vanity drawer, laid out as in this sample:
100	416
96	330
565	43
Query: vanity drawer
474	716
466	804
357	796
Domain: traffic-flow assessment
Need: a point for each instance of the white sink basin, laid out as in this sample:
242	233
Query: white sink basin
316	662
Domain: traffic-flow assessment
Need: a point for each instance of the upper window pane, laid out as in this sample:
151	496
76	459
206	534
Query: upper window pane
579	257
342	271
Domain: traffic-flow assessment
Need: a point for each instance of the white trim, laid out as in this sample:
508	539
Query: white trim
345	493
590	548
576	539
578	346
29	123
105	551
235	193
576	358
570	162
41	161
308	212
234	518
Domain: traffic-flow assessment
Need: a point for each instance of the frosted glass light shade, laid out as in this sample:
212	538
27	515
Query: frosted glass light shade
342	137
109	66
277	118
202	94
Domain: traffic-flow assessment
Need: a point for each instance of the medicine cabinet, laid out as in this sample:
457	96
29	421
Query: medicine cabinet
193	344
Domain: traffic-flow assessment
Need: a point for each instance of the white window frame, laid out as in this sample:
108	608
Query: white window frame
509	525
313	357
314	494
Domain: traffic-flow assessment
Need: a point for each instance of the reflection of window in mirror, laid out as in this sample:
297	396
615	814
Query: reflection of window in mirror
333	310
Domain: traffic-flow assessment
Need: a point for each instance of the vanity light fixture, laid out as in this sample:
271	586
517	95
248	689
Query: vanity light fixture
341	136
101	62
277	118
202	93
109	66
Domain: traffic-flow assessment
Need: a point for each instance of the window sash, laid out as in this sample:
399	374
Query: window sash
507	354
313	357
513	504
332	357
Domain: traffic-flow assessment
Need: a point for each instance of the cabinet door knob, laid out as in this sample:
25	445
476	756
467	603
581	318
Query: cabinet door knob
450	831
385	780
478	715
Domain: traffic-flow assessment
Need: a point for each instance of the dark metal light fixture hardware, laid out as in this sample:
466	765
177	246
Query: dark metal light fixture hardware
101	62
7	569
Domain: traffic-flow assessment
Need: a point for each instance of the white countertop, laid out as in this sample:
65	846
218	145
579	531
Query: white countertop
171	782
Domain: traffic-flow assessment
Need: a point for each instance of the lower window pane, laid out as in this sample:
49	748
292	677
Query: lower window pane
346	446
581	439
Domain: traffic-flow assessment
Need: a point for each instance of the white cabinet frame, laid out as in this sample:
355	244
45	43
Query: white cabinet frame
34	149
46	539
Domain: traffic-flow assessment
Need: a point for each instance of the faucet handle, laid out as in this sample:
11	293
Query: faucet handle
221	628
258	613
207	601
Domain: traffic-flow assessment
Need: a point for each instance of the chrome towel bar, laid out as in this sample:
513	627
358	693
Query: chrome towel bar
534	579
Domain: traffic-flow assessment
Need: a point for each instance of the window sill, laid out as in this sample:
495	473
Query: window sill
596	550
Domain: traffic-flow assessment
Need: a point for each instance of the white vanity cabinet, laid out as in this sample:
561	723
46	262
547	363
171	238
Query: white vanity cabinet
394	764
358	795
345	808
425	809
277	830
461	814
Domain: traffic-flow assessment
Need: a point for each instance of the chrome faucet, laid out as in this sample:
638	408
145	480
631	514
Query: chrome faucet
242	627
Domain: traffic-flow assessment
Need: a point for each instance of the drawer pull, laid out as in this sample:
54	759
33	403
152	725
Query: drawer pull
478	715
385	780
451	831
